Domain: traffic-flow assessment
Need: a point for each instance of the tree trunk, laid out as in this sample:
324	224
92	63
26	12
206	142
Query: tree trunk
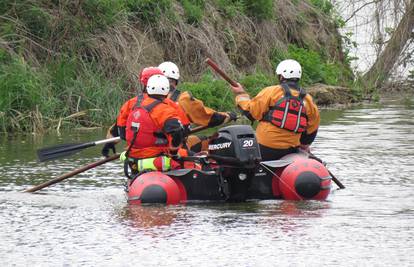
380	71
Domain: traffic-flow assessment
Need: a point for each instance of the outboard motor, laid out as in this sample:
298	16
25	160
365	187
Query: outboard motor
236	151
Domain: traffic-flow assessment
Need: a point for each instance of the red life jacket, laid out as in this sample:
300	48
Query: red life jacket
289	112
141	131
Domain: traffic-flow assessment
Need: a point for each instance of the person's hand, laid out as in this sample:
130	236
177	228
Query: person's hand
107	147
305	148
231	116
238	89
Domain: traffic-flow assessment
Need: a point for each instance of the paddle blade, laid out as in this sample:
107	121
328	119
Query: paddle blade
50	153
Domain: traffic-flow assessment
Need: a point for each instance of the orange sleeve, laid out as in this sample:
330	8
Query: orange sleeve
124	112
195	109
260	104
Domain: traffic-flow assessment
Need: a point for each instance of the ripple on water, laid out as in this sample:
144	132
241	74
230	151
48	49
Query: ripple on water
84	221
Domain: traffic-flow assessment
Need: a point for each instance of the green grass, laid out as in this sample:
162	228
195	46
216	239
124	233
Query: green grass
50	70
64	88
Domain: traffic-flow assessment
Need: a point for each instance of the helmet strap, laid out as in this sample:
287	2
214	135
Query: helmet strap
158	97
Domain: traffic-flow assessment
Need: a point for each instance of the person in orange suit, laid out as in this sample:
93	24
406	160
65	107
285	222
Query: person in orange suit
288	117
153	130
191	109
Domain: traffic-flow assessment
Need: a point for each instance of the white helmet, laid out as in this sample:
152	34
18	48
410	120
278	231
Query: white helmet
170	70
289	69
158	85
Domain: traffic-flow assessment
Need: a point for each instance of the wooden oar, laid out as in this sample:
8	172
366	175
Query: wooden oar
336	181
212	64
72	173
64	150
89	166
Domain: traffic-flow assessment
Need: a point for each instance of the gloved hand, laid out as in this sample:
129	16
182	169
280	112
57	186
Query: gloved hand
106	148
305	148
238	89
230	116
122	156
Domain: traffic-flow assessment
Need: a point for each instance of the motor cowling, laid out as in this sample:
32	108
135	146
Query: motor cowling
235	146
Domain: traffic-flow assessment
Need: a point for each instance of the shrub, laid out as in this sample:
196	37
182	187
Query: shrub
214	93
230	8
324	5
103	13
260	9
149	11
194	10
315	66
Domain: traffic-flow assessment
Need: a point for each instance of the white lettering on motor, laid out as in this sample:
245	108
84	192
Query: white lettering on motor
219	146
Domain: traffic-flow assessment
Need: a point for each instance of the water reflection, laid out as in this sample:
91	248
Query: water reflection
147	216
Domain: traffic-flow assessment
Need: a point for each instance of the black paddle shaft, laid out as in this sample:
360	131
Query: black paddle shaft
336	181
49	153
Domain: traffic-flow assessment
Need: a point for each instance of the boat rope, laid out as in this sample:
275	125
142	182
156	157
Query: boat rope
284	183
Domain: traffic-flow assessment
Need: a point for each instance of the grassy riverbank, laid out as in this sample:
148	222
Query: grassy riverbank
72	64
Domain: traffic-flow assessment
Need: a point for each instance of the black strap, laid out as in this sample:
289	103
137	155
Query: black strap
174	96
286	88
148	107
140	98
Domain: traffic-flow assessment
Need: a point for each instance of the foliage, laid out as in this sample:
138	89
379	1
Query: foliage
149	11
324	5
260	9
230	8
103	13
194	10
316	67
51	67
216	93
31	96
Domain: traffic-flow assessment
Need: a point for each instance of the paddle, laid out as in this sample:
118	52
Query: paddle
75	148
63	150
337	182
72	173
212	64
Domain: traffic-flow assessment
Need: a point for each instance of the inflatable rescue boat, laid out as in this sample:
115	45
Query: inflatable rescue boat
233	171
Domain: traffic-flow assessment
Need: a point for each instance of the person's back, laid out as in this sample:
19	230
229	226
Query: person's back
152	139
283	128
153	130
191	109
118	129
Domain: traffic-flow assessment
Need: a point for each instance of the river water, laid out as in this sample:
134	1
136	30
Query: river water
85	221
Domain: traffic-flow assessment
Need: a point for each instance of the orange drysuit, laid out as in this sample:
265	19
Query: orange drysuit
270	135
160	115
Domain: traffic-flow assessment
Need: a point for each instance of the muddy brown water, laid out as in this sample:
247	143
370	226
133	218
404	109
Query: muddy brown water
85	220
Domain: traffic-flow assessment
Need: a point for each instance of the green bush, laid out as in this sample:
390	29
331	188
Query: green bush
214	93
230	8
149	11
194	10
103	13
63	88
260	9
324	5
254	83
315	66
